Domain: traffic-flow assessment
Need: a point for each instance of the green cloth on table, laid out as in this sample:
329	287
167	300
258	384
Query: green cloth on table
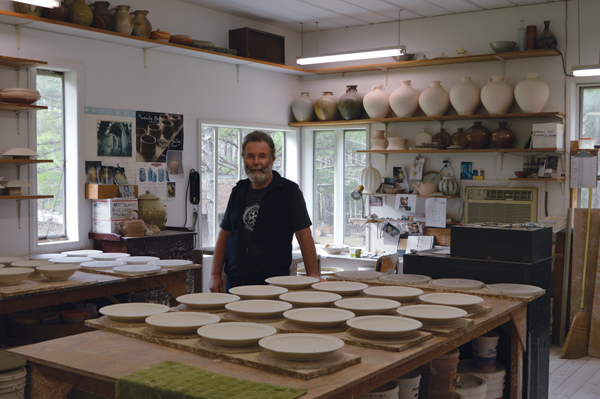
173	380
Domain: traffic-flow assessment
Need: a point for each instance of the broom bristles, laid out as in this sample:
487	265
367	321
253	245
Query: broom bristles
576	344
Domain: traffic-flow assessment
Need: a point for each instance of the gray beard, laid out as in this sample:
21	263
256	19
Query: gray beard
258	178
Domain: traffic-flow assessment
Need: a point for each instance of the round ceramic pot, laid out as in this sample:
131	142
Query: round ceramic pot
478	136
370	179
378	144
326	107
464	97
448	186
497	95
404	101
151	209
423	137
442	138
396	143
546	39
141	26
379	134
60	13
435	100
80	13
460	138
303	108
532	93
377	102
350	103
502	137
426	188
103	19
123	21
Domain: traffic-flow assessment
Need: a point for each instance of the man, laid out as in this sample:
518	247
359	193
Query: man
263	214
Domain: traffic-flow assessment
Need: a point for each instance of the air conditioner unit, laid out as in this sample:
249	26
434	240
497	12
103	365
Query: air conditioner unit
501	205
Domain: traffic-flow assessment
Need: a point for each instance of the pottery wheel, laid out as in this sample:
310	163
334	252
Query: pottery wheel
331	360
457	283
408	279
153	332
204	344
289	324
515	289
107	321
356	336
234	317
184	308
23	285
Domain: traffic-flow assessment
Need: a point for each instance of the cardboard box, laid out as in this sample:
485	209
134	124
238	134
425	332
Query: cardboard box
548	135
105	191
106	226
115	208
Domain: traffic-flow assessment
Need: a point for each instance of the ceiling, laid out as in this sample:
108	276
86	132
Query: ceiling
296	15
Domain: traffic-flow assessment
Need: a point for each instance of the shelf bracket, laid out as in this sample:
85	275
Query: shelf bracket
503	63
18	114
562	187
237	70
501	156
386	70
385	157
18	33
145	53
19	214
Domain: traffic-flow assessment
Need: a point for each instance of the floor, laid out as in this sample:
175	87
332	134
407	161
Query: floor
577	378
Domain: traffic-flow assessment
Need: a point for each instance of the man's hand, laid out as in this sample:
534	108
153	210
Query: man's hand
216	284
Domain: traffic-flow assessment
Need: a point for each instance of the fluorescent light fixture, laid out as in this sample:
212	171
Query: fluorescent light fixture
42	3
586	70
356	55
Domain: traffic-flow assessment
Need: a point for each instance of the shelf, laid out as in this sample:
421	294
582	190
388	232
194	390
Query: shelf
536	179
20	63
26	161
418	195
449	151
21	107
24	197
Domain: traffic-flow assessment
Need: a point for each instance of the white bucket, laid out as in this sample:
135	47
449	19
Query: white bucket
14	389
495	387
408	385
495	394
491	377
485	348
386	391
470	386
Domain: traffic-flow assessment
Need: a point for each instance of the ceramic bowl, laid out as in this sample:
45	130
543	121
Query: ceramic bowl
235	334
258	291
181	322
19	95
258	308
7	260
310	298
332	250
58	271
342	288
428	314
367	306
292	282
32	264
384	326
301	347
101	264
521	173
318	317
503	46
207	300
14	275
462	301
394	293
136	312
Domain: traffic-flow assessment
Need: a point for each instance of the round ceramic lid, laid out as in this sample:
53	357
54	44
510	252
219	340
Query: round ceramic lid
301	347
515	289
407	279
207	300
101	264
148	196
457	283
318	317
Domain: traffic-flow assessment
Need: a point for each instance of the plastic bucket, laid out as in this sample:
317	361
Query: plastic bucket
491	378
485	348
442	376
495	394
408	385
386	391
12	384
470	386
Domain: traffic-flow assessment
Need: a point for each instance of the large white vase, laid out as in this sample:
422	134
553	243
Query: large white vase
464	97
303	108
435	100
377	102
404	100
532	93
370	179
497	95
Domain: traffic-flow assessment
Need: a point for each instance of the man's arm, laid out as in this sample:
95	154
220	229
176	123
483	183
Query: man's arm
216	281
309	252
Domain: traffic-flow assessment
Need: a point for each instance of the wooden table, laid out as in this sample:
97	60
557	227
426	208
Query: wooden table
93	361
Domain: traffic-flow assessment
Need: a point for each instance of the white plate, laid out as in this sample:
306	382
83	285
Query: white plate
171	263
407	279
384	326
358	275
515	289
207	300
394	293
367	306
136	269
292	282
258	308
82	252
432	313
318	317
462	301
100	264
310	298
258	291
109	256
132	312
301	347
45	256
340	287
325	271
457	283
235	334
139	260
181	322
71	259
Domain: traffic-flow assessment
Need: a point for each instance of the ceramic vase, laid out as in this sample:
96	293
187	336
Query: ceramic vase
80	13
377	102
28	9
521	34
459	138
478	136
174	166
530	37
141	26
397	143
435	100
370	179
123	20
378	144
350	103
532	93
546	39
60	13
379	134
502	137
423	137
326	107
103	19
303	108
404	101
442	138
497	95
151	209
448	186
464	97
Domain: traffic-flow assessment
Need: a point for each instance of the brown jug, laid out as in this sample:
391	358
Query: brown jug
133	227
141	26
123	21
103	19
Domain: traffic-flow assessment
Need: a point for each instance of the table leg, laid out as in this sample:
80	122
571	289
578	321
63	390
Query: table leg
51	383
518	331
174	283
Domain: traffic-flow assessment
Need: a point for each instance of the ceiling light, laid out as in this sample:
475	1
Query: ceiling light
586	70
351	56
42	3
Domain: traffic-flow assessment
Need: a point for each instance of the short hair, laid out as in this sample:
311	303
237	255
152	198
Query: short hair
258	136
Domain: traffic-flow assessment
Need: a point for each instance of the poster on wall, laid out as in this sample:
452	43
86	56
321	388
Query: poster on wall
156	133
152	176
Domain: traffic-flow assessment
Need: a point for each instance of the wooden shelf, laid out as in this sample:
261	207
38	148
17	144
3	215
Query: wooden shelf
21	107
466	150
24	197
418	195
536	179
26	161
20	63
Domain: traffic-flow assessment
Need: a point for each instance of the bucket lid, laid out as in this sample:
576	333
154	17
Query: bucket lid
469	383
409	376
13	374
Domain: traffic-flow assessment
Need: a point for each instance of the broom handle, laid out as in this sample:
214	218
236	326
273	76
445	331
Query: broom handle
587	242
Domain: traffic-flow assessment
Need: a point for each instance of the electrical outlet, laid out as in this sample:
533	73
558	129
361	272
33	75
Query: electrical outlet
446	160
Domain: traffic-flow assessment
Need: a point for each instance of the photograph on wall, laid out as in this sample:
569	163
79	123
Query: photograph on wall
93	170
390	233
119	170
171	190
401	179
478	174
152	177
552	165
466	171
406	202
375	200
175	165
156	133
531	163
114	138
416	170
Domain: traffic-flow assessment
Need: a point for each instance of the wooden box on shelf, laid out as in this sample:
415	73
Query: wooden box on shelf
258	45
105	191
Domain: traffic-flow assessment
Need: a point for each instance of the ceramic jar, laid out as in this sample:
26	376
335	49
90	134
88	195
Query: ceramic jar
103	19
502	137
427	188
378	144
379	134
459	138
423	137
350	104
532	93
123	20
448	186
396	143
442	138
326	107
464	97
434	101
478	136
151	209
404	101
60	13
80	13
546	39
133	227
174	166
303	108
377	102
141	26
497	95
370	179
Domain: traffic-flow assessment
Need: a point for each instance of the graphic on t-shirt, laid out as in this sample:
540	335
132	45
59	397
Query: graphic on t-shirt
249	216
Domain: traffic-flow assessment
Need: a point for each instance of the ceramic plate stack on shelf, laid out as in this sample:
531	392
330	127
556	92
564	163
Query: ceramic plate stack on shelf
235	334
367	306
181	322
462	301
101	264
137	269
292	282
301	347
207	300
258	308
81	252
318	317
310	298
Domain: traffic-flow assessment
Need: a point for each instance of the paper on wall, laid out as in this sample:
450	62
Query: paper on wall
406	203
435	212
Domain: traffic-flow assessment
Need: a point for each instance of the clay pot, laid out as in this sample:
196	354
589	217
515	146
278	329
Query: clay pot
80	13
141	26
151	209
448	186
379	134
426	188
442	138
350	104
103	19
435	100
423	137
464	97
133	227
174	166
303	108
530	37
326	107
502	137
404	101
378	144
497	95
546	39
60	13
532	93
459	138
377	102
396	143
181	39
28	9
478	136
123	20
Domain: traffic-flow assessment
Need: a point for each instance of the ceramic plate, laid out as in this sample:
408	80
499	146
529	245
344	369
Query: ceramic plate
170	263
207	300
301	347
318	317
20	152
340	287
235	334
367	306
457	283
407	279
71	259
450	299
310	298
358	275
136	269
82	252
109	256
432	313
45	256
101	264
258	308
181	322
258	291
292	282
132	312
394	293
139	260
384	326
7	260
515	289
325	271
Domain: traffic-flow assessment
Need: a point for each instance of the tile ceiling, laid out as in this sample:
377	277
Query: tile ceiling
333	14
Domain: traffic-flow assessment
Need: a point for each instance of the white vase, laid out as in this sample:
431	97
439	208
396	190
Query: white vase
370	179
303	108
435	100
379	134
532	93
404	101
448	186
377	102
497	95
464	97
423	137
378	144
396	143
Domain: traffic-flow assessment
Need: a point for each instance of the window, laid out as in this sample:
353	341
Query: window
589	122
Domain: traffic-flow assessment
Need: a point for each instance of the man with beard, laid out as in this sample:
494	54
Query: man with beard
263	214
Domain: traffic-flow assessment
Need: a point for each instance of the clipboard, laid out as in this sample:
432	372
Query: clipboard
584	170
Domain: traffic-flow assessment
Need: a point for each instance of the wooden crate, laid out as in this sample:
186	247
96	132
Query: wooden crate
105	191
258	45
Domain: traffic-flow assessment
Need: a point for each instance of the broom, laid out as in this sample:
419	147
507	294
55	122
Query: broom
576	344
